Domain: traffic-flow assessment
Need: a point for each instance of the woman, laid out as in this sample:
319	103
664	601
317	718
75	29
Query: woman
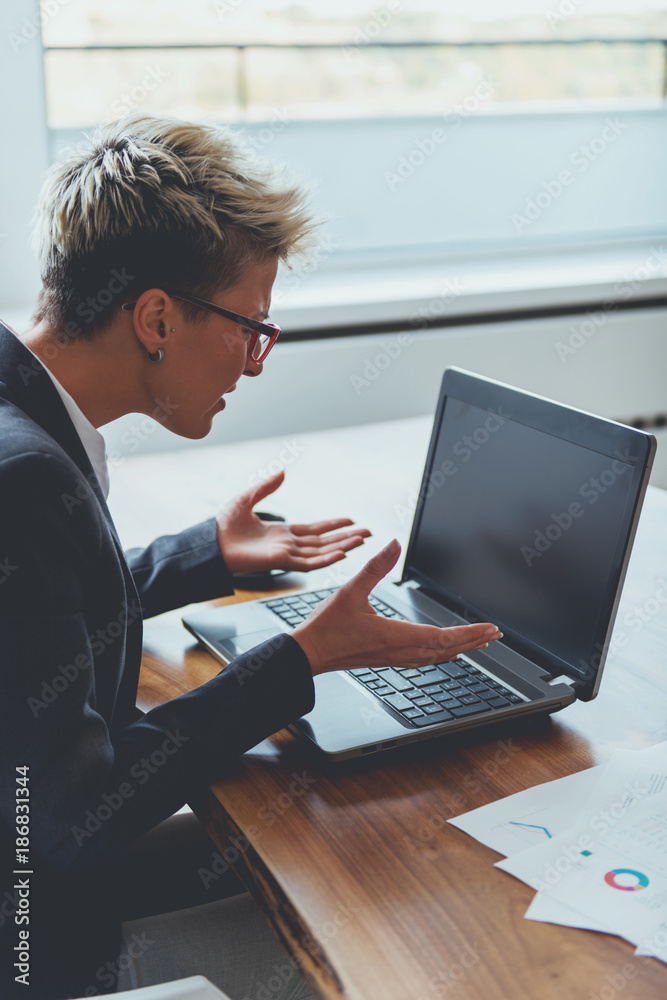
158	249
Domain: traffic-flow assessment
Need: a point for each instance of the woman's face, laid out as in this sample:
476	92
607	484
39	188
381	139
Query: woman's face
203	361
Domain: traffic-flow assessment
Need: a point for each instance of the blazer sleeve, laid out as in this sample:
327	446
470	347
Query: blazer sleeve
176	570
94	790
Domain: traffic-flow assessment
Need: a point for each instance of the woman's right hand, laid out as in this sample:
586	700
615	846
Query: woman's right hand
344	630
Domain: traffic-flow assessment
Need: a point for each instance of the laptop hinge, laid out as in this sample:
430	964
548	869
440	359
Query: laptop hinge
563	679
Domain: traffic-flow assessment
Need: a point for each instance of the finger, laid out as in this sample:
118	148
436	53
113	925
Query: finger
319	527
468	635
304	564
249	498
265	488
375	569
319	550
340	536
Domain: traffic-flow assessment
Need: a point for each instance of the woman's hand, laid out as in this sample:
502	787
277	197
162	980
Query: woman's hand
250	545
344	630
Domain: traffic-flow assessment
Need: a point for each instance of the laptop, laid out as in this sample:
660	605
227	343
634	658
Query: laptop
525	517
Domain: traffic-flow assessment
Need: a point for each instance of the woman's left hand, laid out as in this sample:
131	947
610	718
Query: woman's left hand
250	545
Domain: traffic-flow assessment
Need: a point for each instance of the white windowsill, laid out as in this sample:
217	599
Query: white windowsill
345	294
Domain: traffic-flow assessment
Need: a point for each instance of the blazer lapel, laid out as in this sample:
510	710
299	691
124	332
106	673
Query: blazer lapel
25	382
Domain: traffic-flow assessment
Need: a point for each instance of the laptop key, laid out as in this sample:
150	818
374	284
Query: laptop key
444	697
382	690
463	710
393	677
453	669
471	699
431	709
450	704
514	699
497	702
420	702
412	713
433	676
433	689
431	720
479	688
363	675
398	702
457	692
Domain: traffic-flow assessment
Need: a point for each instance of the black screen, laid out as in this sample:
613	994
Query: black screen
521	528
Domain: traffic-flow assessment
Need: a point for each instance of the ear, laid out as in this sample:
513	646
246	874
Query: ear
154	319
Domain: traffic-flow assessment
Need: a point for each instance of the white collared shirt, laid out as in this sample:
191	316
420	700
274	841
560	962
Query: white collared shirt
91	439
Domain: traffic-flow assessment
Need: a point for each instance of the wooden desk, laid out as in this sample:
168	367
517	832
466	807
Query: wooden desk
363	880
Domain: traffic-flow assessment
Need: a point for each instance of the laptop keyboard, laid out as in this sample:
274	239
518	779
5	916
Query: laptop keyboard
423	697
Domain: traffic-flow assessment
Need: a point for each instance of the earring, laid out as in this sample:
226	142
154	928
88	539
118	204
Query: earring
172	329
156	358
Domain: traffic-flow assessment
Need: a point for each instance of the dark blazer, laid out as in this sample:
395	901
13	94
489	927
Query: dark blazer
71	608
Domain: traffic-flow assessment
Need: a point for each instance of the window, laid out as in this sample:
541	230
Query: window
237	60
424	122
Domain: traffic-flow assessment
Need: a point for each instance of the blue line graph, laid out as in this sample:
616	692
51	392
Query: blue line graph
532	826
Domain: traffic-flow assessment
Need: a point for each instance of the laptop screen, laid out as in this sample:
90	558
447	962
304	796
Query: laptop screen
525	528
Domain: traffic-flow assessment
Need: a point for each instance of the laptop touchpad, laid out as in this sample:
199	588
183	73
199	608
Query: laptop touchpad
234	645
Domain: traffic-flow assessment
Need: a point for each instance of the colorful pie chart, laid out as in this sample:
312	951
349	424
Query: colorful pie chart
611	879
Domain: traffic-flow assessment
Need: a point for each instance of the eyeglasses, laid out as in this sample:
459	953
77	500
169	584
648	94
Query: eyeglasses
264	335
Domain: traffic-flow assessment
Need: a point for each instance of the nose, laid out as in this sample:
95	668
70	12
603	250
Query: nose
253	368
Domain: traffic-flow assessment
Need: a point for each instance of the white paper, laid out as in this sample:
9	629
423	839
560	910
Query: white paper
530	817
589	841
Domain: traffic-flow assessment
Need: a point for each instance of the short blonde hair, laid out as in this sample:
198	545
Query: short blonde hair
160	203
